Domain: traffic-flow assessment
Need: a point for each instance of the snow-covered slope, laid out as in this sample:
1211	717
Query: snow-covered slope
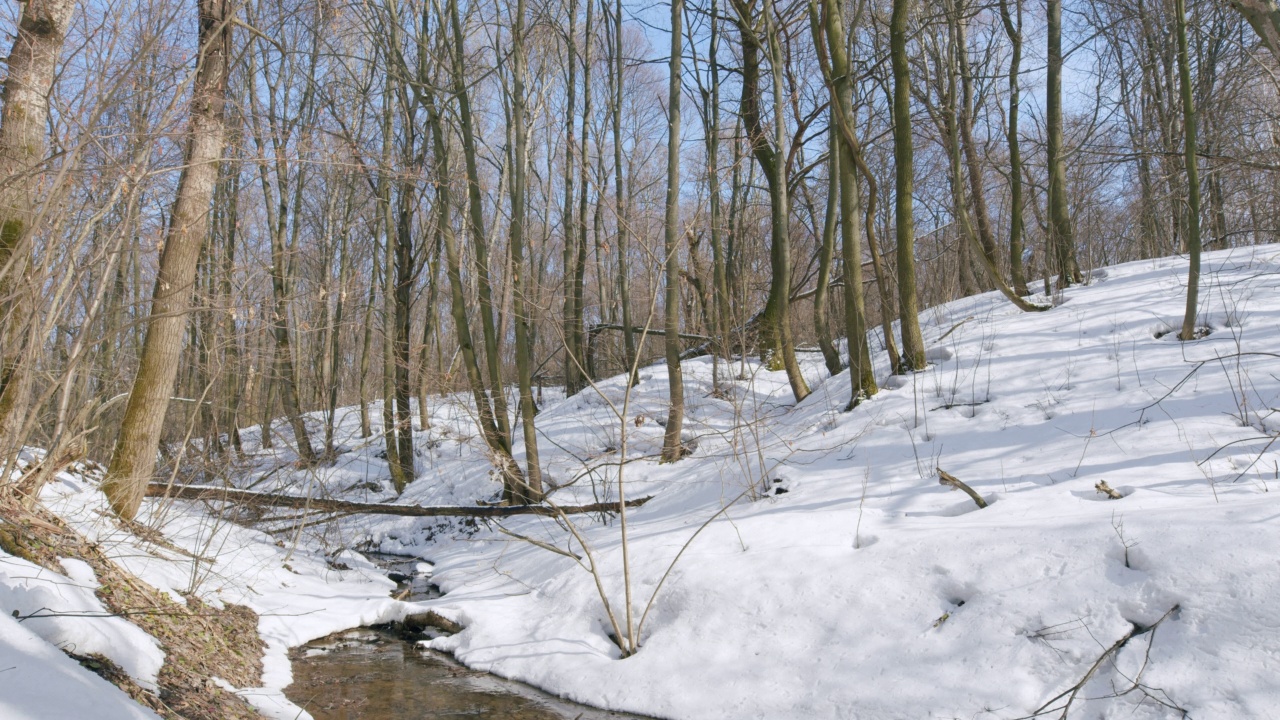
809	562
869	590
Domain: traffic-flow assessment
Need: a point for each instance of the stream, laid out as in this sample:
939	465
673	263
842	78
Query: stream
382	673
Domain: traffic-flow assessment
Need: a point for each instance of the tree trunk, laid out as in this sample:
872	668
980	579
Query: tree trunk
826	253
476	225
531	490
1017	227
777	348
672	441
624	293
904	161
572	353
1193	172
24	120
458	305
1060	232
719	265
135	453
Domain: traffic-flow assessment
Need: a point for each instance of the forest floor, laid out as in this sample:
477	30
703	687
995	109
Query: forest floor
802	561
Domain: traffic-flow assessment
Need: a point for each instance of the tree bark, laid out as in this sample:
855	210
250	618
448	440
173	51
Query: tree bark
531	489
904	162
672	442
620	211
572	353
777	348
257	499
826	254
861	373
1193	172
1060	231
32	61
134	458
480	243
1017	226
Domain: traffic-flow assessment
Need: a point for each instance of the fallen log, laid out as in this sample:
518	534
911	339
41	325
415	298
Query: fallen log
249	497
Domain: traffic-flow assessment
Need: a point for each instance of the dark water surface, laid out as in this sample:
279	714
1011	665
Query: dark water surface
375	675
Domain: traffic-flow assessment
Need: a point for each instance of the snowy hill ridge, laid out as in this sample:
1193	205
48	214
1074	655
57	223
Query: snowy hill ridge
829	574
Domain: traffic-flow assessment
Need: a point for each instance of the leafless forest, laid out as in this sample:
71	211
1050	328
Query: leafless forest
224	213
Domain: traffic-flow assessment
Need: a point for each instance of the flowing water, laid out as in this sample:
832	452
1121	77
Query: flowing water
383	674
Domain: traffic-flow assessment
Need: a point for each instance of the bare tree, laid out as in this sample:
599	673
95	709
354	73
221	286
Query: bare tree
134	458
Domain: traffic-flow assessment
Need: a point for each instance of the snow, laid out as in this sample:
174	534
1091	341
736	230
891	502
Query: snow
805	562
37	681
62	610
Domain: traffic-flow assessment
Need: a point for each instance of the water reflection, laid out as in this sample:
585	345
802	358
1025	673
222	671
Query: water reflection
374	675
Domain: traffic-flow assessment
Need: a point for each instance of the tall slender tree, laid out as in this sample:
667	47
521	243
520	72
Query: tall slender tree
1061	234
1193	173
672	441
904	184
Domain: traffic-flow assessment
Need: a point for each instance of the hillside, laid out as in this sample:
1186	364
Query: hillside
806	562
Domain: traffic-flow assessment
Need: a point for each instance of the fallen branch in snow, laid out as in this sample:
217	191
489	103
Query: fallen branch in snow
1107	490
946	478
1071	692
208	492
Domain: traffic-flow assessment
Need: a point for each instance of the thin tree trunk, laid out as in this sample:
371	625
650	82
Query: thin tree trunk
133	460
531	491
672	441
826	253
1193	172
479	241
719	265
903	154
366	352
580	262
430	326
845	142
1060	232
776	346
458	305
572	353
334	377
624	293
1017	226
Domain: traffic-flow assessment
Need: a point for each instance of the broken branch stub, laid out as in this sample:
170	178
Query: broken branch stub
946	478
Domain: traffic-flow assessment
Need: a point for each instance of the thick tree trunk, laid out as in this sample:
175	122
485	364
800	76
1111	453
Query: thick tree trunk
23	123
403	327
135	453
578	282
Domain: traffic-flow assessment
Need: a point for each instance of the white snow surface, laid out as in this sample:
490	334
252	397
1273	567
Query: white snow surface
866	589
